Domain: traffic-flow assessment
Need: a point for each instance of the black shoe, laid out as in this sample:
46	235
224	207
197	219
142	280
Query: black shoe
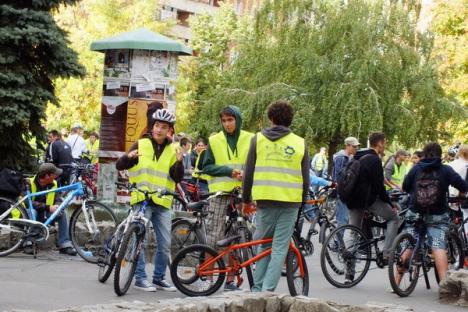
349	279
68	251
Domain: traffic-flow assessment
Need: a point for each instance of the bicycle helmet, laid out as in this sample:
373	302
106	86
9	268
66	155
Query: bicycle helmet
453	151
164	115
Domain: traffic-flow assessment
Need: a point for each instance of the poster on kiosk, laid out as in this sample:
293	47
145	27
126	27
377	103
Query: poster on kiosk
140	69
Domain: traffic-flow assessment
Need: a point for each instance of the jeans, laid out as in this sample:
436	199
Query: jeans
342	214
63	234
161	219
279	224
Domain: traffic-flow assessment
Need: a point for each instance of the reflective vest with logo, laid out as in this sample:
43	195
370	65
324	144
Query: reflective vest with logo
153	174
278	170
224	156
50	197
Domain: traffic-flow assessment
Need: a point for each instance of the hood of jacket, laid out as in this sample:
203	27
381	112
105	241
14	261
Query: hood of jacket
364	152
427	163
232	138
276	132
340	153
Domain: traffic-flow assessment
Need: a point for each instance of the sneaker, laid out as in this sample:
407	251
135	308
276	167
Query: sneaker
231	286
164	285
68	251
349	279
144	285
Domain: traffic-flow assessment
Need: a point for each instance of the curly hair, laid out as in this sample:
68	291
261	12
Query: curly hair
280	113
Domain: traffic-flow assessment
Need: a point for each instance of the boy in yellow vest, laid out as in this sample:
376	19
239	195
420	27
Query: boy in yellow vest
277	178
223	162
154	163
46	205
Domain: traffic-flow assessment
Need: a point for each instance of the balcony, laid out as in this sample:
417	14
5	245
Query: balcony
196	7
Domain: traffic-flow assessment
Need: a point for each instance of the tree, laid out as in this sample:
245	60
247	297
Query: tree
34	52
347	67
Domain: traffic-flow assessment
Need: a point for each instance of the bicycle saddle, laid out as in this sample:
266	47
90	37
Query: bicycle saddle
197	206
227	241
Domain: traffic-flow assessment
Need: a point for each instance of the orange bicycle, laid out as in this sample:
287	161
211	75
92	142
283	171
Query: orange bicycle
199	270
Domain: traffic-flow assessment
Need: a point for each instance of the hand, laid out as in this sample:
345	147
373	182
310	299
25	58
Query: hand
236	173
395	208
179	154
248	209
53	208
133	154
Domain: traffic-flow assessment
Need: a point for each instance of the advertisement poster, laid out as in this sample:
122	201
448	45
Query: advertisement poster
154	66
113	119
136	121
117	64
150	91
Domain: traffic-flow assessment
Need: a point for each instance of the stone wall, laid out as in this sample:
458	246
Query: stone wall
454	289
240	302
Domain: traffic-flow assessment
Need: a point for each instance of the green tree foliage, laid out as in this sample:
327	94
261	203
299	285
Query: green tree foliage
34	52
347	67
87	21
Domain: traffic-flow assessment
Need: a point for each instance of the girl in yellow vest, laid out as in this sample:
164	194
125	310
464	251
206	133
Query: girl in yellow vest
92	144
277	178
154	163
223	162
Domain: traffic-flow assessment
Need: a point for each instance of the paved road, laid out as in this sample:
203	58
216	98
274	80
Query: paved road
54	281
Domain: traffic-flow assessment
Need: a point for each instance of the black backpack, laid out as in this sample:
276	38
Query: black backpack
348	179
427	191
10	183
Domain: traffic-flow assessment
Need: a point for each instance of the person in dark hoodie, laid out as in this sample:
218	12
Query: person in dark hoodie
370	194
223	163
277	178
436	217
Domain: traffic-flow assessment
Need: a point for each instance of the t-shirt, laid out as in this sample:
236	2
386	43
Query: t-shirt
77	144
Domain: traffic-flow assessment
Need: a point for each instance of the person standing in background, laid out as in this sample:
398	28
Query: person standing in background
76	142
320	163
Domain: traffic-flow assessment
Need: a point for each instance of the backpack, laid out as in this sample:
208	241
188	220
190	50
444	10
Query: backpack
10	183
348	179
427	191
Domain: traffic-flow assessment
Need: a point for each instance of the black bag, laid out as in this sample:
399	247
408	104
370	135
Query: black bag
427	191
348	179
10	183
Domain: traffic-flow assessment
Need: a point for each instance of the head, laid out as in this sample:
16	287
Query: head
351	145
463	152
377	141
64	132
152	108
53	136
323	150
416	157
185	144
93	137
228	120
432	150
401	156
200	145
47	173
280	113
163	125
77	128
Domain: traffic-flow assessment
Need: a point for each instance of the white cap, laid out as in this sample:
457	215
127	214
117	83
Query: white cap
77	125
351	141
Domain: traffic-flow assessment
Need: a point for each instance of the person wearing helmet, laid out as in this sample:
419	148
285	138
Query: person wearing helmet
76	142
154	163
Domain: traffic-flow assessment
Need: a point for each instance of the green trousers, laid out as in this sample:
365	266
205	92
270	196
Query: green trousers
279	224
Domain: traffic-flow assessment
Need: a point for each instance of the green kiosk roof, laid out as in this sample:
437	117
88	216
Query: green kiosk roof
140	39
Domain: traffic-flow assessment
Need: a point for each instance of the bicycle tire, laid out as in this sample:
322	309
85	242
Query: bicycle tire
455	254
346	241
325	231
84	241
246	254
293	275
183	234
399	246
15	241
131	241
109	256
198	254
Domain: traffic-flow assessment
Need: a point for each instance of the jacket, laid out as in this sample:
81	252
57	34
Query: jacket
340	160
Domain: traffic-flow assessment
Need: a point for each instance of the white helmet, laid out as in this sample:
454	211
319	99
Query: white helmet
453	151
164	115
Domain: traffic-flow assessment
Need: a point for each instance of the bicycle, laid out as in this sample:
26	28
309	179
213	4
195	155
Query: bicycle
124	247
18	224
403	273
349	248
199	270
458	224
84	172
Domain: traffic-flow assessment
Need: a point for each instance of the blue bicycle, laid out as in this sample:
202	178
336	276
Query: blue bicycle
89	225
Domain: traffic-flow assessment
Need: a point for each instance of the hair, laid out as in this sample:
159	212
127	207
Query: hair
432	150
184	141
94	133
55	133
202	140
227	111
463	151
152	107
375	138
401	153
420	154
280	113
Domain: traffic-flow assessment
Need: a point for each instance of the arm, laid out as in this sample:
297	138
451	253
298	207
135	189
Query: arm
124	162
249	171
314	161
338	166
316	181
409	179
378	180
211	169
456	180
305	165
176	171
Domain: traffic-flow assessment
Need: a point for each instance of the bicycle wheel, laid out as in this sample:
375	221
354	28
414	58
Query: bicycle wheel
325	231
101	219
107	259
403	275
127	258
455	254
11	237
297	284
186	276
345	256
247	254
183	234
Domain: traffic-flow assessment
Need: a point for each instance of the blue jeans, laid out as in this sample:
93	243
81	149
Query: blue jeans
63	232
342	213
161	219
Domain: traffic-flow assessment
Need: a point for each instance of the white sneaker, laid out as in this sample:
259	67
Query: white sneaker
144	285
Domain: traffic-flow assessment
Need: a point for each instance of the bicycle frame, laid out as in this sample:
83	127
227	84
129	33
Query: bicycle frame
202	270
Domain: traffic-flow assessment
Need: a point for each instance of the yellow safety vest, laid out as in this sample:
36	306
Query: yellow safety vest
50	197
93	150
224	156
196	174
398	175
152	174
278	170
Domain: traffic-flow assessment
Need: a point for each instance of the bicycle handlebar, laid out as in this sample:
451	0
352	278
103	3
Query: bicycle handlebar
134	187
